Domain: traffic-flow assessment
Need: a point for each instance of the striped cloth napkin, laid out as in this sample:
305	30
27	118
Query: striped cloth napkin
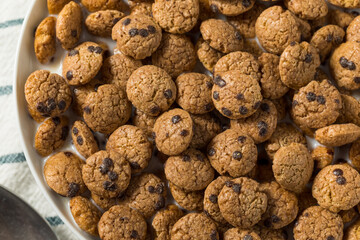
15	174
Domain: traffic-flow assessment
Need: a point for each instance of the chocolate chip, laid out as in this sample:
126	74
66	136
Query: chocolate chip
184	133
214	8
62	105
56	120
338	172
357	80
186	158
168	94
134	165
160	203
73	189
265	107
109	186
262	128
74	33
306	215
160	188
155	109
91	49
238	36
246	3
207	213
98	50
293	43
211	152
329	38
106	164
133	32
153	134
310	96
341	180
248	237
175	119
80	140
116	20
226	112
213	198
257	105
41	107
69	75
219	81
240	96
338	40
236	187
320	99
241	139
308	58
237	155
143	32
151	189
343	62
134	234
51	105
112	175
213	235
68	154
294	103
209	85
243	110
75	131
87	110
216	95
73	52
151	29
351	65
126	21
200	157
275	219
229	183
330	238
64	132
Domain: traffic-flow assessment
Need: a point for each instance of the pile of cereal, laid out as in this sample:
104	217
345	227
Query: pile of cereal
205	133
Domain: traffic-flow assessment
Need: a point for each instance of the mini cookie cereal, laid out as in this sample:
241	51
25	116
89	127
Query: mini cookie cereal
276	28
97	5
236	95
164	220
84	139
207	55
55	6
231	8
176	16
144	122
82	63
81	92
68	25
340	18
51	135
270	234
293	166
191	170
151	90
259	126
322	156
106	173
62	173
318	223
345	3
85	213
350	112
173	131
106	109
341	182
103	202
221	35
45	40
100	23
232	152
352	32
236	233
189	200
337	134
242	202
137	35
309	9
132	143
206	127
176	54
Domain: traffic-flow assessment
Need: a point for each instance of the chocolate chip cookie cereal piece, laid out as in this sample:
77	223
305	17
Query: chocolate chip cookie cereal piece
293	166
211	194
83	139
282	206
137	35
276	28
106	173
85	214
122	222
82	64
55	6
194	92
164	220
144	122
221	35
309	9
345	3
326	39
62	173
97	5
206	127
191	170
354	154
107	109
46	94
352	32
259	126
318	223
103	202
146	193
100	23
176	16
68	25
132	143
322	156
340	18
316	105
81	92
189	200
341	183
239	234
345	65
231	8
207	55
298	64
232	152
337	134
173	131
242	202
151	90
194	226
353	232
45	40
350	112
51	135
271	85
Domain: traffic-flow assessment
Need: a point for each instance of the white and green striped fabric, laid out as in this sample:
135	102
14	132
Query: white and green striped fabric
14	172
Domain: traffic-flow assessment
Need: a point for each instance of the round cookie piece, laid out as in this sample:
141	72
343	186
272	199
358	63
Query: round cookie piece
51	135
242	202
173	131
282	206
80	93
236	95
261	125
207	55
45	40
316	105
191	170
239	234
137	35
298	64
144	122
318	223
146	193
221	35
345	3
322	156
97	5
82	63
293	166
308	9
46	94
232	152
164	220
84	139
194	92
62	172
194	226
176	54
341	182
340	17
55	6
122	222
85	214
276	28
189	200
106	173
337	135
100	23
176	16
151	90
270	234
206	127
232	7
352	32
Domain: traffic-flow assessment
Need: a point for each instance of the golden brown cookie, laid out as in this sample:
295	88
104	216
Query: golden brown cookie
308	9
189	200
207	55
164	220
100	23
97	5
55	6
206	127
83	139
337	134
239	234
231	8
45	40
